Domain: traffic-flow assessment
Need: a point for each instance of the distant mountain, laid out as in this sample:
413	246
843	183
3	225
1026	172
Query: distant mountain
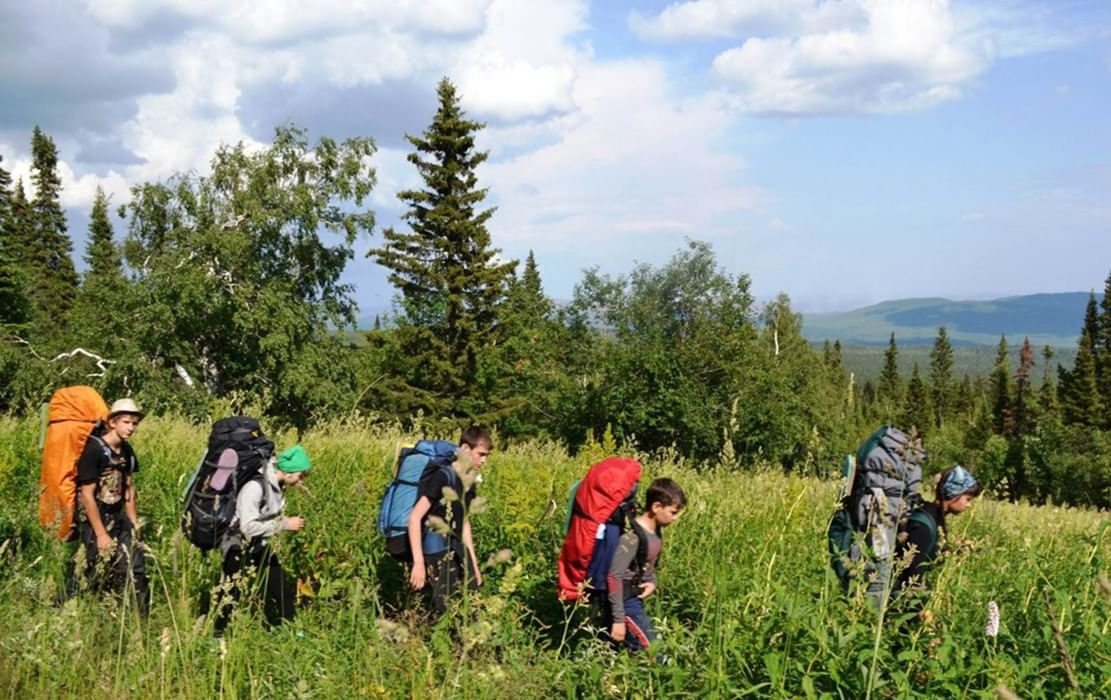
1048	319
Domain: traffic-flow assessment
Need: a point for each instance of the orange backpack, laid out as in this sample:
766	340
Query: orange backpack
72	415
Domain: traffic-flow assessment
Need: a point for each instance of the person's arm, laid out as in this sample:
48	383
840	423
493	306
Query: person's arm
248	509
620	572
468	543
416	544
92	512
129	502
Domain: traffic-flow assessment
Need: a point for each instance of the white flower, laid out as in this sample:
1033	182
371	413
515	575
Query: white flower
992	629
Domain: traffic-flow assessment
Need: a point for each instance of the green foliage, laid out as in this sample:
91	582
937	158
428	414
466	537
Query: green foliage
49	273
237	274
917	409
941	376
447	274
14	309
745	605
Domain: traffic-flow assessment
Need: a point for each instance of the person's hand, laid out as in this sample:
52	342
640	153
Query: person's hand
416	576
477	576
295	523
646	589
104	543
617	632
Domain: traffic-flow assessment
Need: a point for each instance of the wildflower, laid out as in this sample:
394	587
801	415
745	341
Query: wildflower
992	629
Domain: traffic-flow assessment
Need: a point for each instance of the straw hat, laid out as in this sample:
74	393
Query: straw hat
124	406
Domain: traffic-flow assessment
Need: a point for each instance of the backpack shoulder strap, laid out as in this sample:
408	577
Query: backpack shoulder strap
103	446
923	519
641	559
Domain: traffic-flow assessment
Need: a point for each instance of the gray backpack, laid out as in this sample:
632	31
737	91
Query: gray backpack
880	488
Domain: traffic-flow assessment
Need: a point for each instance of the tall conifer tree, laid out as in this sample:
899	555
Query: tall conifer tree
13	303
1001	391
891	384
1025	401
99	314
1103	353
941	375
917	411
446	269
51	277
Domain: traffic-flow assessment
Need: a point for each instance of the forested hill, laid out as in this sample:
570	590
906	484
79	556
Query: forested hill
1048	319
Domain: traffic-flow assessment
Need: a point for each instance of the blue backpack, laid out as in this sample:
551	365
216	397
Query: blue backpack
401	494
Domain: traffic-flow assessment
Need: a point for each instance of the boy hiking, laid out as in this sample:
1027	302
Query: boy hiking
919	537
439	531
260	514
632	573
107	522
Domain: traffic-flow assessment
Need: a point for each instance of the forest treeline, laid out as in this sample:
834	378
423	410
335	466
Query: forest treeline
222	293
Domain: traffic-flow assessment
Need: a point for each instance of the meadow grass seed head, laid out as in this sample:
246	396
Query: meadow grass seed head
450	494
478	506
438	525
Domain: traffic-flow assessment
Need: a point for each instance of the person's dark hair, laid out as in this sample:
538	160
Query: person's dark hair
474	436
939	496
665	492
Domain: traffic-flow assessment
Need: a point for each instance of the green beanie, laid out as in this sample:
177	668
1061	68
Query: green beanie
294	460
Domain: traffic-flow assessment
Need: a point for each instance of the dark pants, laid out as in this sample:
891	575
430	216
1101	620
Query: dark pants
444	574
259	567
124	564
638	626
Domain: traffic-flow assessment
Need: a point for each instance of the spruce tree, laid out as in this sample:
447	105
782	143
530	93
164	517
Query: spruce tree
99	316
1025	401
917	412
1001	391
941	375
1103	353
51	277
1080	399
445	268
1047	394
891	384
13	303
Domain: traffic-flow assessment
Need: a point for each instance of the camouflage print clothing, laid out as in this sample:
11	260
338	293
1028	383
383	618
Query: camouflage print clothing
124	564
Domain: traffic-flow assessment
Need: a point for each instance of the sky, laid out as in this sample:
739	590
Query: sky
842	151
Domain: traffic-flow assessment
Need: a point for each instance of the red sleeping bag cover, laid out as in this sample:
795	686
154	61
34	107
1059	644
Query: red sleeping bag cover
601	491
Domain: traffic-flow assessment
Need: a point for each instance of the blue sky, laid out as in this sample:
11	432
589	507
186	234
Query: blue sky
842	151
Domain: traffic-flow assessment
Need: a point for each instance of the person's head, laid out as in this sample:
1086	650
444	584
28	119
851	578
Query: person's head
293	466
956	487
475	445
123	417
664	501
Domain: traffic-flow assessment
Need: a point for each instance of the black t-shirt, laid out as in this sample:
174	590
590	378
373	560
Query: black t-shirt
436	476
110	470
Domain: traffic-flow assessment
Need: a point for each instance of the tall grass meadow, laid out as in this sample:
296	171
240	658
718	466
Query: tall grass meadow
746	606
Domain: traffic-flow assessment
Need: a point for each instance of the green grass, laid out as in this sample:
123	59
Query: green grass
745	607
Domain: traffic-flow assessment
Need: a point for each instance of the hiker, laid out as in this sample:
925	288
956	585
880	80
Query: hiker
439	552
632	572
919	537
107	522
260	515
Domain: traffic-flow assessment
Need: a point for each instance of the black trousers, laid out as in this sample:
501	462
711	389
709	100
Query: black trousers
121	566
256	568
444	574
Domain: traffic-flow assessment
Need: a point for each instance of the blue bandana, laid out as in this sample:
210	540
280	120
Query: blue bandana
958	481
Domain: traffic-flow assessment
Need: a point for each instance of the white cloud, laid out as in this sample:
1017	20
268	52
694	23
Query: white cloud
634	160
522	65
804	57
908	55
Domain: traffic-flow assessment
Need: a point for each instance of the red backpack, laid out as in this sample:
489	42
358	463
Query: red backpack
603	497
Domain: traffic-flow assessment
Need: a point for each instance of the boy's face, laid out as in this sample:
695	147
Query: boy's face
665	515
124	425
473	457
